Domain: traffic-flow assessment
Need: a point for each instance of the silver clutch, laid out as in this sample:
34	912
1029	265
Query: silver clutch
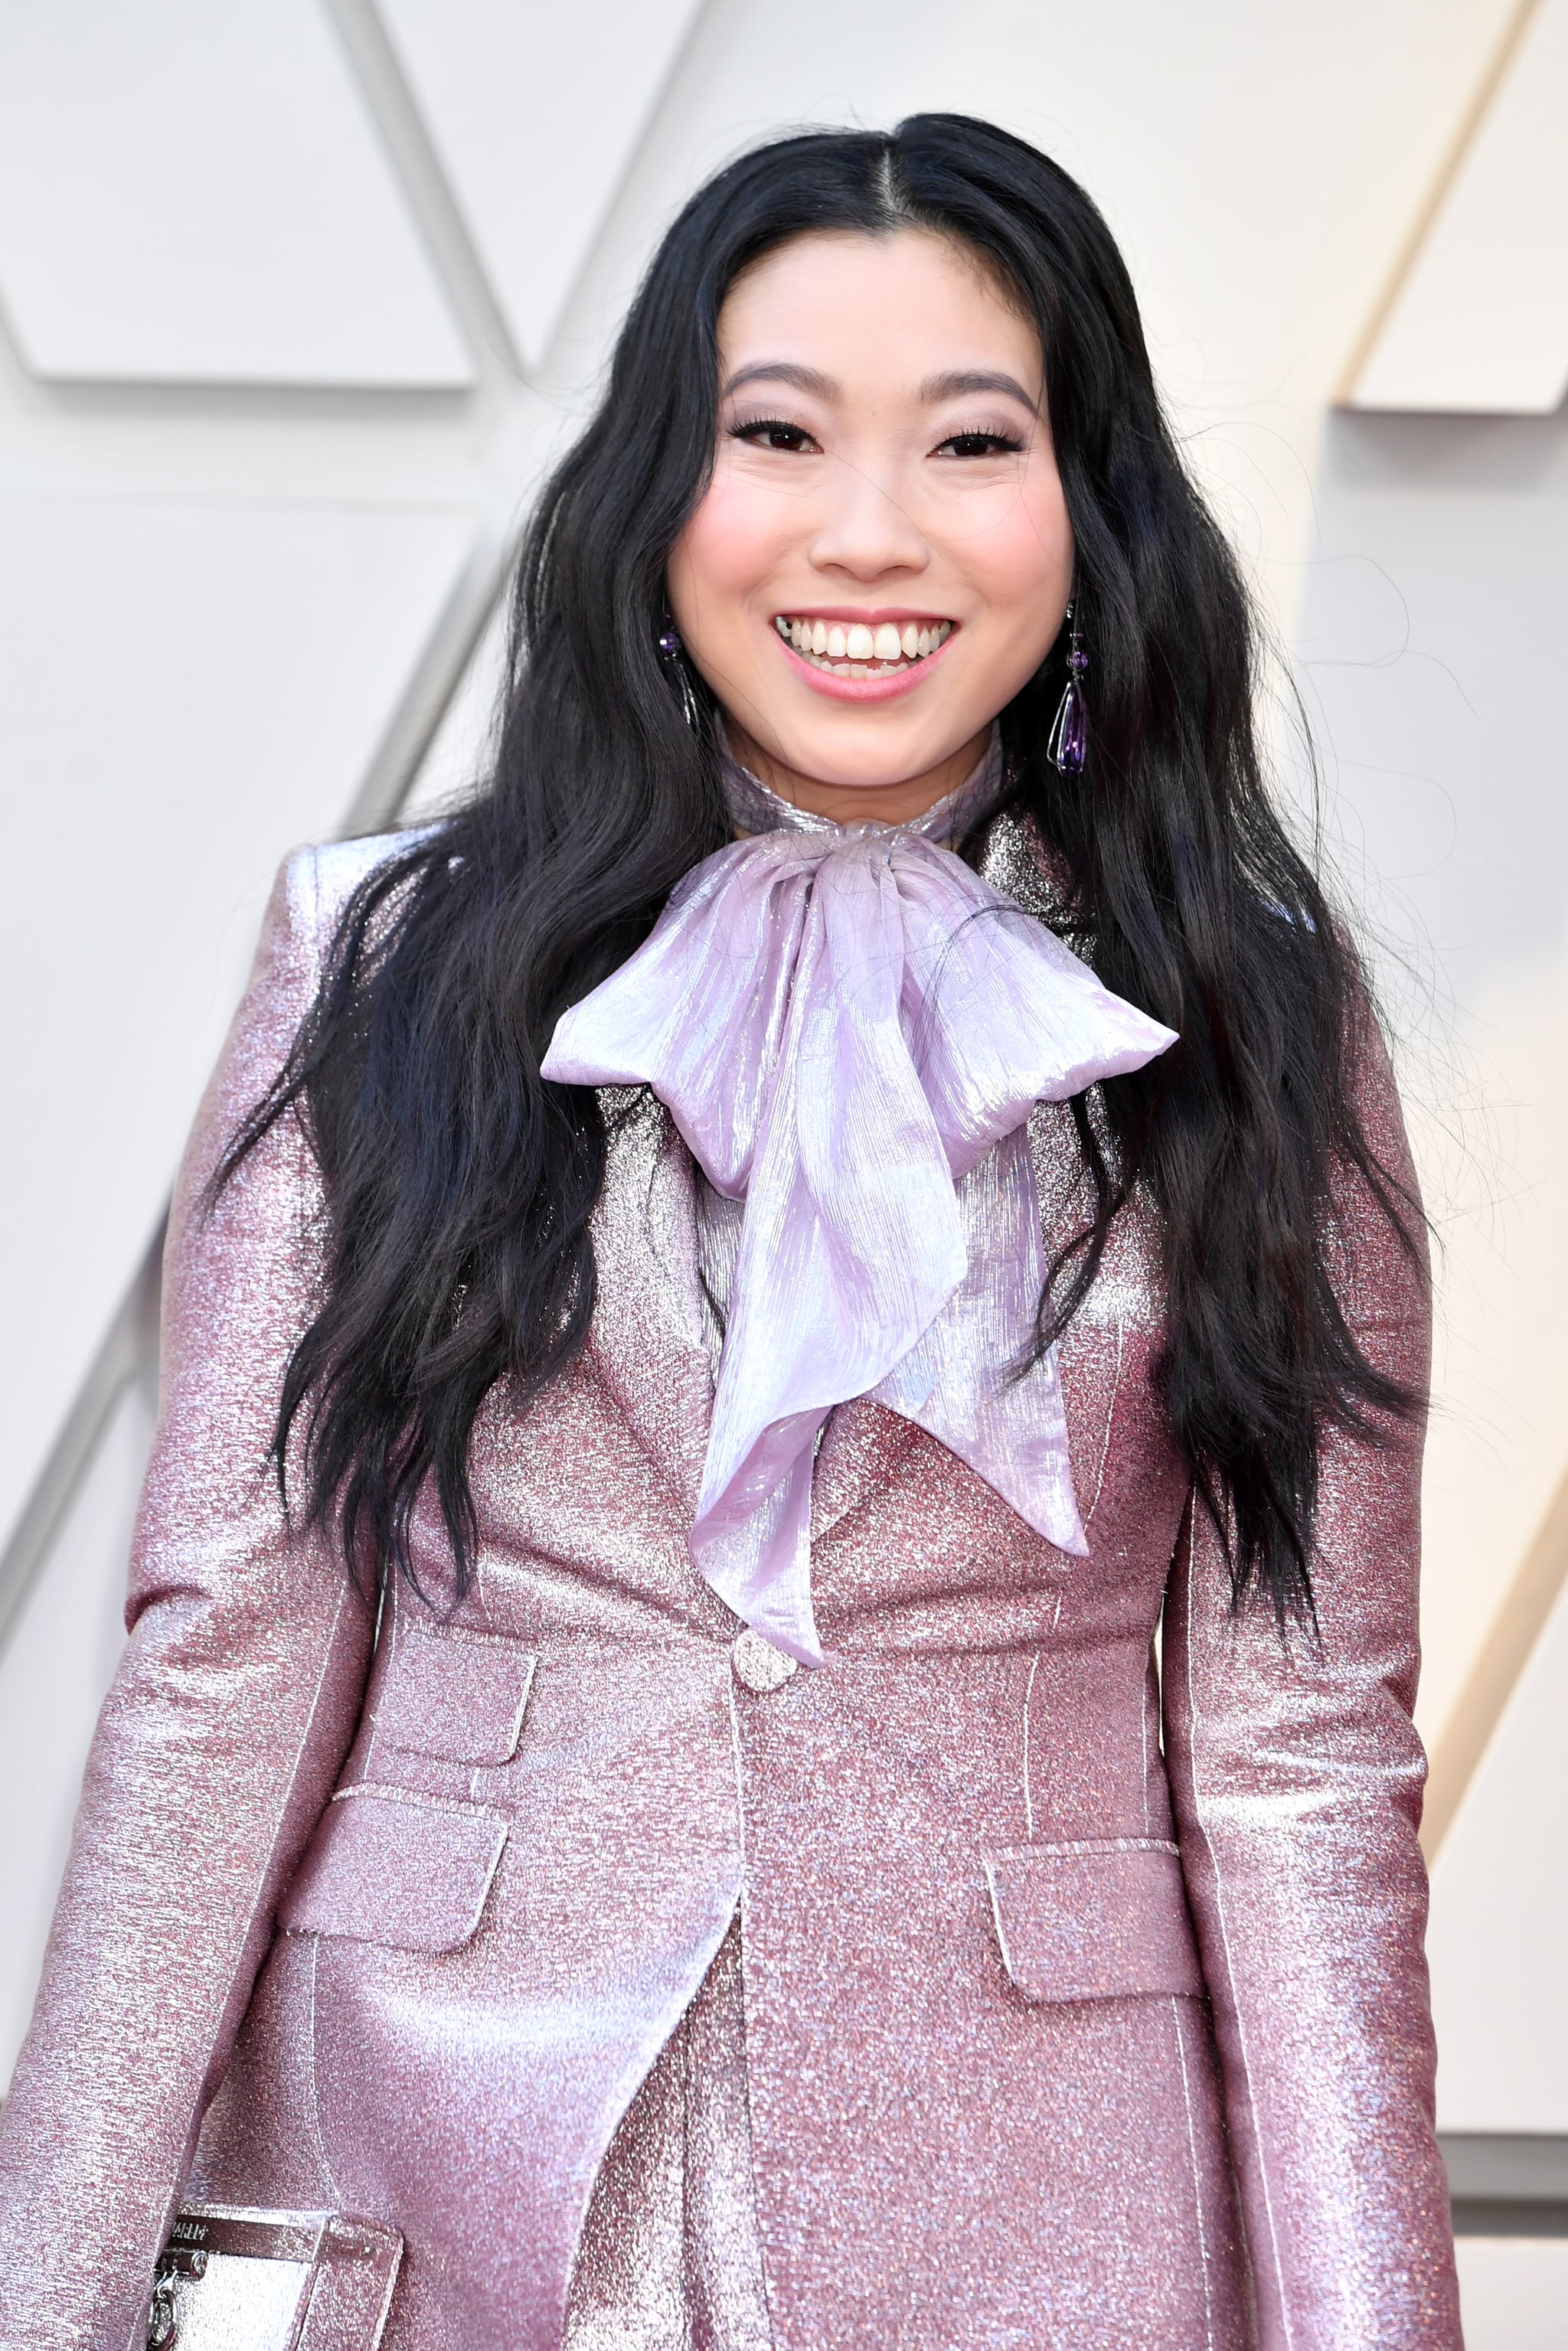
233	2279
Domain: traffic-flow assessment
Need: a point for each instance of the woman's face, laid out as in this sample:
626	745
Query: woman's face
884	556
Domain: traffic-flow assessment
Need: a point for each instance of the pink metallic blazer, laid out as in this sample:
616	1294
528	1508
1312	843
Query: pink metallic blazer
1085	1999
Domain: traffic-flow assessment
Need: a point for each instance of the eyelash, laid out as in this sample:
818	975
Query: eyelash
1004	445
751	427
993	444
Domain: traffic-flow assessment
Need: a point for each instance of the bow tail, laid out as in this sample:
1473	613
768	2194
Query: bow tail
960	1382
754	1549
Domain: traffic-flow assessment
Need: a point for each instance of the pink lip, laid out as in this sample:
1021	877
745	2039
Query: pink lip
862	689
871	614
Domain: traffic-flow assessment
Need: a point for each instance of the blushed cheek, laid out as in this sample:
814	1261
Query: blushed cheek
1032	548
731	544
1027	565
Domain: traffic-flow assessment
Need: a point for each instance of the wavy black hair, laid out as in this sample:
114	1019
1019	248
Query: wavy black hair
460	1184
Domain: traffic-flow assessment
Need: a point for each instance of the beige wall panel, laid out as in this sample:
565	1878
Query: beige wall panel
1513	2292
1479	320
187	691
195	193
1500	1917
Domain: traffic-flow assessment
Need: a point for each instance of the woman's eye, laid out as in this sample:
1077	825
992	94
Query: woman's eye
979	444
772	432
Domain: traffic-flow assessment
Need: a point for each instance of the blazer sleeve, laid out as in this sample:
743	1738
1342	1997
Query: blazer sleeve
218	1744
1297	1777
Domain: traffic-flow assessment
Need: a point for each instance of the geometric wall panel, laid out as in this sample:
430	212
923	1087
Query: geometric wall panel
1500	1917
533	175
1478	323
188	690
1513	2292
195	193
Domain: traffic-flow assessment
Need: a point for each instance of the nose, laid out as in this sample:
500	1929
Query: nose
864	529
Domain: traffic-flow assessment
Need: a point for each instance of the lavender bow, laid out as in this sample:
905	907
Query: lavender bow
849	1028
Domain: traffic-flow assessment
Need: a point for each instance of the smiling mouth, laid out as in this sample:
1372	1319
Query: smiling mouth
855	649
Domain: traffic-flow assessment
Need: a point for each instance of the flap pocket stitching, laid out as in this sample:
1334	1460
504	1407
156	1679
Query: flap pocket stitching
389	1866
1094	1918
458	1697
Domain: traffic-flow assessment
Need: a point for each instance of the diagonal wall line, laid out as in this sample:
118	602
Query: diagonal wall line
1491	1680
395	111
437	675
1443	179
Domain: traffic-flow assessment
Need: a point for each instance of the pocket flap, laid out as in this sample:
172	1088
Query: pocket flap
461	1699
1104	1918
385	1867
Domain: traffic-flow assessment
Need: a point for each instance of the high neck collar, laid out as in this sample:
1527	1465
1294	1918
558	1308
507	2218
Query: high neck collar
754	806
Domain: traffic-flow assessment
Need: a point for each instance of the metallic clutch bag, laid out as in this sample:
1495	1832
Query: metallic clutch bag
232	2279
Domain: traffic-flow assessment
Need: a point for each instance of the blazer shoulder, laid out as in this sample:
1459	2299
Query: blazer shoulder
315	882
313	886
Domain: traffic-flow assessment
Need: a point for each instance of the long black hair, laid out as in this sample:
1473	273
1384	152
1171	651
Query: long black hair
460	1184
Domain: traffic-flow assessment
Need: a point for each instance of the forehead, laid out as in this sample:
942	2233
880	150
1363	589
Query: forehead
911	304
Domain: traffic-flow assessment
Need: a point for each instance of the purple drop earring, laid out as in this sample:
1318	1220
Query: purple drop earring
1069	737
672	660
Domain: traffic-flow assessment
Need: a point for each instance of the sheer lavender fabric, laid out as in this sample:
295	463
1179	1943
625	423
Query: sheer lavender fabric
849	1028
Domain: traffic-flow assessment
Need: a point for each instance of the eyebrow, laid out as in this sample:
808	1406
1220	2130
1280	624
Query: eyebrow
937	388
803	379
933	392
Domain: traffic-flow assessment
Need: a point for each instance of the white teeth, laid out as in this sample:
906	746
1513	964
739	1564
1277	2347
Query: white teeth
848	647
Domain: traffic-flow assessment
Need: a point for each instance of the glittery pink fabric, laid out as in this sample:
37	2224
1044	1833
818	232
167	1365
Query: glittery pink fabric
435	2002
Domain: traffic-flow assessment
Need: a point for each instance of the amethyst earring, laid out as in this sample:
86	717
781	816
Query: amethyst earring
1069	737
677	673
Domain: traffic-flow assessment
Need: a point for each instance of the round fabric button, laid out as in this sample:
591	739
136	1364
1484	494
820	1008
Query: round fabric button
758	1665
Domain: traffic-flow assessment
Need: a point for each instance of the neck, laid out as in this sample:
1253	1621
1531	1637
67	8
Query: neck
895	803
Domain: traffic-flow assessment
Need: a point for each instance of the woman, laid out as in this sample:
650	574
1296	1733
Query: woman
685	1816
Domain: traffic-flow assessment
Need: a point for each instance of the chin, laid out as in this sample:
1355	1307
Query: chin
864	755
